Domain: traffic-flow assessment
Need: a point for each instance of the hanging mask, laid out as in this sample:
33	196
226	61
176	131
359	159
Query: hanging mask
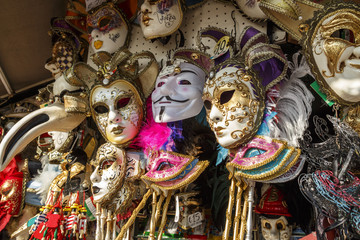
112	178
179	86
160	18
118	90
234	103
331	40
67	48
234	92
12	191
108	29
251	9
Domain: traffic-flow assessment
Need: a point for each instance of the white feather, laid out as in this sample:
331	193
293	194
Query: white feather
45	178
294	104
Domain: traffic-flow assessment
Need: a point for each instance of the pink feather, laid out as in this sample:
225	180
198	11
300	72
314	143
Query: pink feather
152	135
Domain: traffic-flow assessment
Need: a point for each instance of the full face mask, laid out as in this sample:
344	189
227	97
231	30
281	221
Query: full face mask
160	18
274	229
330	37
251	9
117	110
108	29
118	91
109	173
234	102
12	191
179	86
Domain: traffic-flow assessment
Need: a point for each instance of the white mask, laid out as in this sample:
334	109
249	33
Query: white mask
234	105
337	59
117	111
108	30
251	9
275	229
160	18
109	174
61	140
178	92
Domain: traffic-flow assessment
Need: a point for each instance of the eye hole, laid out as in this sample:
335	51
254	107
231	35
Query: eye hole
100	109
104	22
226	96
184	82
345	34
164	166
122	102
106	164
280	225
160	84
267	225
6	192
207	104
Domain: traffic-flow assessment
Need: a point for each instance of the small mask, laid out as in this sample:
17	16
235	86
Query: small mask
108	29
117	111
160	18
275	229
234	104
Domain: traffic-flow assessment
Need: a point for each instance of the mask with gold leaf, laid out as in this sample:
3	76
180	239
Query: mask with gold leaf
234	92
118	91
331	40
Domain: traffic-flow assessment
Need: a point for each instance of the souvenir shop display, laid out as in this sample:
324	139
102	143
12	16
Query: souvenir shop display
189	119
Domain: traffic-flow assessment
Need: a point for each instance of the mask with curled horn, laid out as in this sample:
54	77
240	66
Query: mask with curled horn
118	90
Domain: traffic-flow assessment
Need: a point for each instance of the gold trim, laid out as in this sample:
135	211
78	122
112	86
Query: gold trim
191	159
202	166
276	154
287	168
270	173
308	38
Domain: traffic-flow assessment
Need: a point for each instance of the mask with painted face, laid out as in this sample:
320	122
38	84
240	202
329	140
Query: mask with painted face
179	86
160	18
251	9
108	29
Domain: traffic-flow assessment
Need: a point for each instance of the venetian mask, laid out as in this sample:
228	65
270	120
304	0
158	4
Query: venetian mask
160	18
251	9
234	104
117	111
275	229
11	192
108	29
178	91
109	173
333	45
